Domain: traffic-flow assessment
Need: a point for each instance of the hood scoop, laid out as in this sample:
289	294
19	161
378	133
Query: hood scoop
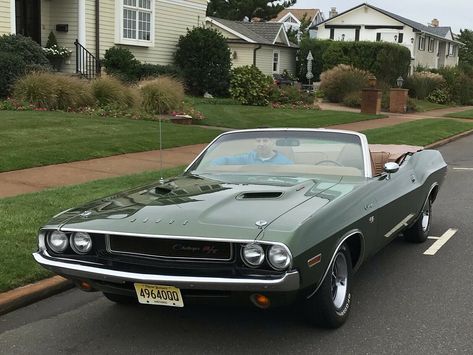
259	195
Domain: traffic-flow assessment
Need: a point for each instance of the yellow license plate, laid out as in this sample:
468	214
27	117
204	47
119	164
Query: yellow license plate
159	295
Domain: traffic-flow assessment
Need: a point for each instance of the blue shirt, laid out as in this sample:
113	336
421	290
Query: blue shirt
251	158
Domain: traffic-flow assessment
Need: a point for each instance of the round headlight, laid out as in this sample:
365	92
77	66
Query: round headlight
81	242
279	257
57	241
253	254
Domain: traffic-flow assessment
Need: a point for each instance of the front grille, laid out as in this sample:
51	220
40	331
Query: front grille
170	248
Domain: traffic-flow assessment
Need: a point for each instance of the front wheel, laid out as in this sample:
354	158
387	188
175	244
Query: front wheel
330	305
419	231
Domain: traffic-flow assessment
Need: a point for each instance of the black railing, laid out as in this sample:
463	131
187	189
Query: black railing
86	64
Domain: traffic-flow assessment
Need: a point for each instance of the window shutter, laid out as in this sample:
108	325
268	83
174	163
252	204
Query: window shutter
400	38
357	34
332	33
378	37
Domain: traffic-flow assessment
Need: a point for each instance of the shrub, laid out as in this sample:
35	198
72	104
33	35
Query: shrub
352	99
250	86
121	62
421	84
111	92
204	58
459	82
18	55
439	96
53	92
291	95
11	68
27	49
342	80
162	95
146	70
411	105
387	61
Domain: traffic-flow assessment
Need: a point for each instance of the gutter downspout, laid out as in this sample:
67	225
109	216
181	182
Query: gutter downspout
254	54
97	35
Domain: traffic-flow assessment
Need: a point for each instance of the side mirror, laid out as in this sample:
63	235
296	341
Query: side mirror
391	168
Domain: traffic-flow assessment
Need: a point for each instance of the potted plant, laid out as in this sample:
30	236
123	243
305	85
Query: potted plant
55	53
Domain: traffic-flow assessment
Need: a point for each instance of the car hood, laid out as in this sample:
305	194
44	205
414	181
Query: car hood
191	206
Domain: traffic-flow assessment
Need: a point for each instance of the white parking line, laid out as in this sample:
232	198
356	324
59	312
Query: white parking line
431	237
462	168
440	242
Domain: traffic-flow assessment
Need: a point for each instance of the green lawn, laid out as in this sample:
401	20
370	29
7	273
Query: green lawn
21	216
421	132
239	116
32	138
424	105
468	114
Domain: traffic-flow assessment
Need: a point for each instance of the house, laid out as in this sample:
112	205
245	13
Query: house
292	17
432	46
147	27
263	44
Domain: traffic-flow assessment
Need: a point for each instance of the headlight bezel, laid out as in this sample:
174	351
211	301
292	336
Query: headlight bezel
75	248
256	246
271	253
50	244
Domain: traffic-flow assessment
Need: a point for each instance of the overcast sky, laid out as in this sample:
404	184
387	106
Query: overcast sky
457	14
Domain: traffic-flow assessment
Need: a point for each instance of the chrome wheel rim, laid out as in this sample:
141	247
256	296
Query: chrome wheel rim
339	280
426	218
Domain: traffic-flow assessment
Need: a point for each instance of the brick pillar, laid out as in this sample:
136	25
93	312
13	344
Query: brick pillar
371	101
398	100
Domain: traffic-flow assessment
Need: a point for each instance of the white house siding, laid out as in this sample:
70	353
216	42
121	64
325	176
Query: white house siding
287	59
55	12
172	18
244	54
5	25
90	26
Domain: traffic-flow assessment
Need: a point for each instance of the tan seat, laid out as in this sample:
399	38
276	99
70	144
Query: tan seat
384	153
378	159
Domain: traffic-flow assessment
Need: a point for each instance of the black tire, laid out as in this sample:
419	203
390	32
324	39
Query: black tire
419	231
121	299
331	304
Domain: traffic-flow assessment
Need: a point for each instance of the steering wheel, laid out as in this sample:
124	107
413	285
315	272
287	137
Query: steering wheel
330	162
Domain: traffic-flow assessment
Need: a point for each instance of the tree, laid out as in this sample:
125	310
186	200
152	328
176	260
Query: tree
204	59
237	10
466	51
295	36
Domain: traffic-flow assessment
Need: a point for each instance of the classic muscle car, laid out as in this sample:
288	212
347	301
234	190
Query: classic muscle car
266	216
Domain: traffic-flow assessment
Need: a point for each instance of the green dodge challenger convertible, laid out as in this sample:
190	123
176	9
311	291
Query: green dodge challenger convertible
264	216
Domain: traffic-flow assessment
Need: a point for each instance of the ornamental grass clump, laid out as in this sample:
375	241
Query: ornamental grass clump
343	80
110	92
422	84
53	91
162	95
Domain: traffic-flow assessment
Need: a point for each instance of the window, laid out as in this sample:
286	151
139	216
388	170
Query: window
275	61
400	38
431	44
378	37
451	50
422	43
137	21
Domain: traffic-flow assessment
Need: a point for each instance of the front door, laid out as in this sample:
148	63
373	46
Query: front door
28	18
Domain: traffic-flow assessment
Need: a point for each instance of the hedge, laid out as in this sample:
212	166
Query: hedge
387	61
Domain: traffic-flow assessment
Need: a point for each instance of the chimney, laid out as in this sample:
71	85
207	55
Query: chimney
333	12
435	23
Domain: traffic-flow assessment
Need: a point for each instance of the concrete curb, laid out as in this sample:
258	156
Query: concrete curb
25	295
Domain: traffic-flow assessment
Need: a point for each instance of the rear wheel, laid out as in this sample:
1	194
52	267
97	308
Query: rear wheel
330	306
419	231
121	299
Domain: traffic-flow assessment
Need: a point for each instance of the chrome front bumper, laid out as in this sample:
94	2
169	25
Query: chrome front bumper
290	281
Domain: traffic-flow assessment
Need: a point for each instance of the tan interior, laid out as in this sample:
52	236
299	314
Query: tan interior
384	153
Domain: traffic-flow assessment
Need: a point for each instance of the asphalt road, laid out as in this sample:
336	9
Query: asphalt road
405	302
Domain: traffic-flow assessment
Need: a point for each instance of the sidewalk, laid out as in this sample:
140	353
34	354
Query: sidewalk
36	179
18	182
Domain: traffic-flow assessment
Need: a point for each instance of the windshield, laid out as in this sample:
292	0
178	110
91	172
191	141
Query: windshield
295	155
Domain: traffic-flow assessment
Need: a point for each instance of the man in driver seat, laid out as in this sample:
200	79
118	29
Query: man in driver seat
264	153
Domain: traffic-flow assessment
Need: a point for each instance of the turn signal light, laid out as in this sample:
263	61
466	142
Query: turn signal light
85	286
260	301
